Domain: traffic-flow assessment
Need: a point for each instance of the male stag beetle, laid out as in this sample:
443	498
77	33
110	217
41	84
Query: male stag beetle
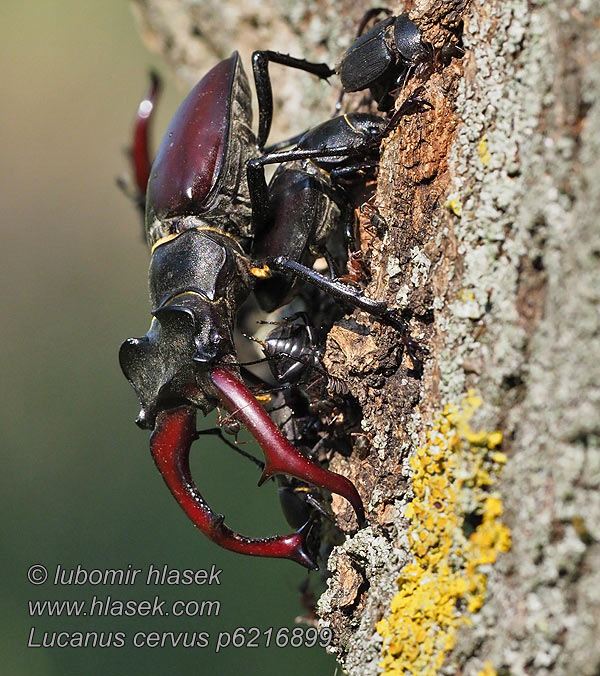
211	226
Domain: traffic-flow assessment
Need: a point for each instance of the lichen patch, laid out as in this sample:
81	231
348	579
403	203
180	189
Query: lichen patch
455	533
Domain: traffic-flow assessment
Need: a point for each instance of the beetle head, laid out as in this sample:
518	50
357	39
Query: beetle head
196	282
169	365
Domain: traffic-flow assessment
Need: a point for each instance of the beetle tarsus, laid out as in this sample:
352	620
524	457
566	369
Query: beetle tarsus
355	298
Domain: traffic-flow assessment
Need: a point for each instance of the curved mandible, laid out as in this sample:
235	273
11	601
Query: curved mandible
170	445
280	456
141	159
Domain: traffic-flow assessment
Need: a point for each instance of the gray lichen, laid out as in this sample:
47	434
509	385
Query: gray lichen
491	202
532	211
519	320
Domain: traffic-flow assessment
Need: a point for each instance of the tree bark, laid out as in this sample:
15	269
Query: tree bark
491	242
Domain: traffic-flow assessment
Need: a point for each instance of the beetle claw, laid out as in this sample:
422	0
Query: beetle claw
280	456
170	445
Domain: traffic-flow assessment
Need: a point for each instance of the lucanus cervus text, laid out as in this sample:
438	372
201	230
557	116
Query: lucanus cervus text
211	222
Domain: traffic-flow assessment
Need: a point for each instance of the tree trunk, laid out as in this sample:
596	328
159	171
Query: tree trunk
481	482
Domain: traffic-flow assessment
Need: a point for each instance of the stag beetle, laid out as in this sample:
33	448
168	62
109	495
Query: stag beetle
209	221
382	58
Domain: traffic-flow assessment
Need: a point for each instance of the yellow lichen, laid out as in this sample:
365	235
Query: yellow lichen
465	296
483	152
453	477
488	670
455	206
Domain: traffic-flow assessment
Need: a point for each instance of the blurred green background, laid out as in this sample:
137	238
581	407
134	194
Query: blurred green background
78	483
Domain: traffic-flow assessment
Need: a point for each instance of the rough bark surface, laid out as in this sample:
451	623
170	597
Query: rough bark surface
490	201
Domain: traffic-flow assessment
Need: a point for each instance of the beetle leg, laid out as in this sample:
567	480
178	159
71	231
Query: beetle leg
170	444
218	432
257	184
343	172
286	143
413	104
354	297
139	152
368	15
281	457
264	92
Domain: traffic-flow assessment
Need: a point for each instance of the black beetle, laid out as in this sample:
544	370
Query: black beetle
297	214
294	351
316	413
313	411
383	58
209	221
305	205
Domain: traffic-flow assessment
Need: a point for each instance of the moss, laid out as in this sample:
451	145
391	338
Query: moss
453	477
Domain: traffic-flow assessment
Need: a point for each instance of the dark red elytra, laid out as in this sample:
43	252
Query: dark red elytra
192	152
